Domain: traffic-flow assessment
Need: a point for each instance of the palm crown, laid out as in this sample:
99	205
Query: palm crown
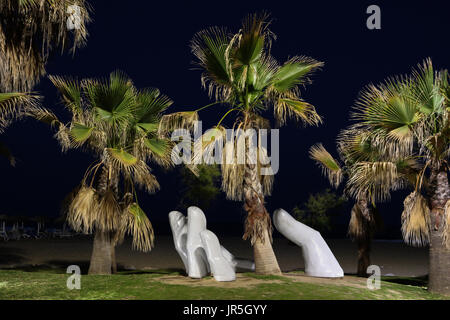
409	117
240	73
119	124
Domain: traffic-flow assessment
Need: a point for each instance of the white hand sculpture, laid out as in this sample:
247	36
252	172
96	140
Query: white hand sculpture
200	249
319	260
221	269
178	224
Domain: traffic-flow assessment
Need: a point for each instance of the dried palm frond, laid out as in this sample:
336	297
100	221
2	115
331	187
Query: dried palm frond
109	213
179	120
372	179
233	167
63	137
416	220
208	148
446	226
356	228
82	211
267	179
44	115
29	29
297	109
143	177
14	105
137	224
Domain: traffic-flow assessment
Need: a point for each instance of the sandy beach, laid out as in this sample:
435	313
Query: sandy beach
393	257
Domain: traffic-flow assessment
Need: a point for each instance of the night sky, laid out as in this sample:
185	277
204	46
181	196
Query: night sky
149	41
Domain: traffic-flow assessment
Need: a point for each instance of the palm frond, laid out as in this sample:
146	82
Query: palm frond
426	89
211	49
363	222
330	167
356	226
233	167
138	225
295	72
150	106
208	147
80	133
254	36
14	105
82	212
70	90
372	180
108	217
29	30
416	220
178	120
160	151
446	226
297	109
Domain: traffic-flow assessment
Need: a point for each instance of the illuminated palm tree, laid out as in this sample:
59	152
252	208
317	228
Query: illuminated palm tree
118	124
30	30
410	115
241	75
370	177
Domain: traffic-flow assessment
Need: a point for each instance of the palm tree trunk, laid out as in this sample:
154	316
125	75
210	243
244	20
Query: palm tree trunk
361	228
363	256
265	259
439	255
103	259
258	226
101	254
113	258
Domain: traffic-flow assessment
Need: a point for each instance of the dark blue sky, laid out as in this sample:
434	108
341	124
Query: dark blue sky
149	41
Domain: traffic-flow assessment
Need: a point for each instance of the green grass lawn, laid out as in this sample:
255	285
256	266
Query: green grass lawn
160	284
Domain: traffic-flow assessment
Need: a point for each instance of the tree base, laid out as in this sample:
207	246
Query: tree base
101	262
439	275
265	260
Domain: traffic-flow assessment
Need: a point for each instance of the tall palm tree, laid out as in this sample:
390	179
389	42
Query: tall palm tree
410	115
118	124
29	30
241	75
369	179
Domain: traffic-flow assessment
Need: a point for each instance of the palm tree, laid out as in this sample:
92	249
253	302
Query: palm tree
369	179
29	30
118	124
241	75
13	106
410	115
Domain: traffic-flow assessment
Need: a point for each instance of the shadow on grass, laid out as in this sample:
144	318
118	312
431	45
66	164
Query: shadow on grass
11	256
56	266
167	271
410	281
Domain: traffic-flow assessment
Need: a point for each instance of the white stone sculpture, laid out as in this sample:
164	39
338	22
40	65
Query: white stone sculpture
200	249
319	260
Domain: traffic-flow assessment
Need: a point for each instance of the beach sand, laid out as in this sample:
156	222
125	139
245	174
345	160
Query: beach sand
393	257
